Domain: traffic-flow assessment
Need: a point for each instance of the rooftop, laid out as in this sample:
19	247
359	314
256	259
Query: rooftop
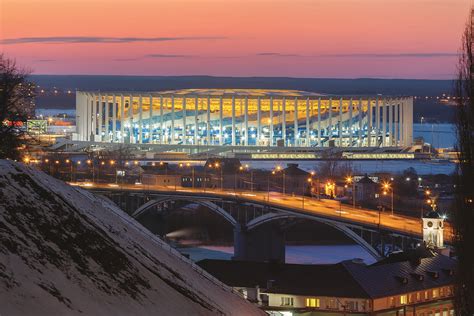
222	92
345	279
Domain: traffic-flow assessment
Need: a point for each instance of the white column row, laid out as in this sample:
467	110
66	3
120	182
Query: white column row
376	121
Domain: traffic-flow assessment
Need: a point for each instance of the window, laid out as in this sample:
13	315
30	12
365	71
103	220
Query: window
426	295
391	301
403	299
286	301
312	302
352	305
435	293
418	296
332	304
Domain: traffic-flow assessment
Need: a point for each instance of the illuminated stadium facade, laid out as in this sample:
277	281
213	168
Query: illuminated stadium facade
244	117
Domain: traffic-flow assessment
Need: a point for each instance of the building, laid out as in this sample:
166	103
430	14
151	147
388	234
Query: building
394	286
365	189
244	117
433	228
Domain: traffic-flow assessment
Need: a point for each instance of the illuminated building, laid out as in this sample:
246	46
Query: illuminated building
244	117
402	284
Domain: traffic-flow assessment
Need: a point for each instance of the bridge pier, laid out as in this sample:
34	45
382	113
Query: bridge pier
265	243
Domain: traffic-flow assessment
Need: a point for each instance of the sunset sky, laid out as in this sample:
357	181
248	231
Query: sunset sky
294	38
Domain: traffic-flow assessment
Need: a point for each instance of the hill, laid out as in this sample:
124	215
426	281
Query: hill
65	251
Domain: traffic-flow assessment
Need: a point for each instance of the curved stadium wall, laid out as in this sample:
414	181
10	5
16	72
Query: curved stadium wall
244	117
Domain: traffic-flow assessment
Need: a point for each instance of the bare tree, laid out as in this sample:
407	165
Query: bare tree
16	104
464	206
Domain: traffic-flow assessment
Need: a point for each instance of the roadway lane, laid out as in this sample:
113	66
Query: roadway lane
329	208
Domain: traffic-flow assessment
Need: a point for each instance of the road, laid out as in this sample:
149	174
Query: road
326	207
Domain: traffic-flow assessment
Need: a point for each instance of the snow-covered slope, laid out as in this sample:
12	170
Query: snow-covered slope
64	251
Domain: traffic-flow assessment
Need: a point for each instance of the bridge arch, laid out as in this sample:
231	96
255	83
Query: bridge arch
269	217
203	202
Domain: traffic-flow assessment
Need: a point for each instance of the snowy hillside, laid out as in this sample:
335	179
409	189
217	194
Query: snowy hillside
64	251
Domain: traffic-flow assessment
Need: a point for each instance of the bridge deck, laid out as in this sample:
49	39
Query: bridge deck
327	209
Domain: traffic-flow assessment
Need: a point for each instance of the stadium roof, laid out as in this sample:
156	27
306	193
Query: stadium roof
221	92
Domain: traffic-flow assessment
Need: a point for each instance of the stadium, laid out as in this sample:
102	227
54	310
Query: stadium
244	117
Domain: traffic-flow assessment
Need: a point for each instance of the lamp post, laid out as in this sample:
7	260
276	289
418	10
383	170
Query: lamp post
310	181
387	187
98	172
217	165
139	171
278	169
268	185
251	180
70	173
350	180
77	168
89	163
112	163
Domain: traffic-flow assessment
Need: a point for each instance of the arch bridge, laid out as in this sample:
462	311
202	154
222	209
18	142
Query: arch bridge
259	225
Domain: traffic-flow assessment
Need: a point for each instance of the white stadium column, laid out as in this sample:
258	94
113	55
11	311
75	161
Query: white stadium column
150	120
196	121
395	119
271	122
341	100
162	122
208	125
259	121
330	118
246	120
410	121
99	117
140	119
361	110
151	125
122	118
384	122
369	122
130	118
221	123
80	101
401	119
184	120
114	117
283	122
351	129
390	122
307	123
85	120
295	128
233	121
172	121
107	119
319	123
88	117
377	121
